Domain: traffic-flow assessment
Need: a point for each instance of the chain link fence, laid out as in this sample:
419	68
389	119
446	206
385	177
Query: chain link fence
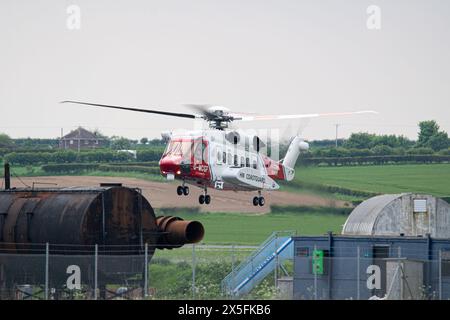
197	271
106	272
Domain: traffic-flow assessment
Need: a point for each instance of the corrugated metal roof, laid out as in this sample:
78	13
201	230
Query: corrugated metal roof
362	219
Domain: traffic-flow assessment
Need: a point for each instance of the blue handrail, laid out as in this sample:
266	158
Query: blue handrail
263	265
245	276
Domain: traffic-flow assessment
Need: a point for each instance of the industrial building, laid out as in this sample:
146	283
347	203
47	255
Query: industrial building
400	214
392	247
363	267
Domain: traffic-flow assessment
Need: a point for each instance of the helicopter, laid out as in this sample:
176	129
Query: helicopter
224	159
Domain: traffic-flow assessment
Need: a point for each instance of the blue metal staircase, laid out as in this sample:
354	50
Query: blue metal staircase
276	249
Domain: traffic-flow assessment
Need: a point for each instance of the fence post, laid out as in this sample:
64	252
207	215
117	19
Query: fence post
233	262
47	251
253	269
95	271
315	277
232	259
146	271
358	279
276	264
193	271
440	274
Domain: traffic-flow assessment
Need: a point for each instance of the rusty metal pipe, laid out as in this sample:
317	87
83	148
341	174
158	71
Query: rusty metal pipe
175	232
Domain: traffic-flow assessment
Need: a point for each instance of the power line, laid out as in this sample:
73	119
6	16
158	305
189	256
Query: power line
337	126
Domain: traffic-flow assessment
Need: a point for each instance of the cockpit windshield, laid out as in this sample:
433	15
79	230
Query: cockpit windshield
186	148
180	148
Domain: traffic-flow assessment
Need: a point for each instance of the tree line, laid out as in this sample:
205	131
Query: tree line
432	145
69	156
115	143
431	140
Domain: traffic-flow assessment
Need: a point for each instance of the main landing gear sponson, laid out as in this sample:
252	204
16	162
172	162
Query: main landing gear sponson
182	190
259	200
204	198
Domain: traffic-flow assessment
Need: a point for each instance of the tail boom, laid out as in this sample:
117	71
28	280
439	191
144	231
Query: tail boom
284	170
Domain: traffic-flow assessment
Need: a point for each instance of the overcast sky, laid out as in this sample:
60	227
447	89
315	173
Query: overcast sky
254	56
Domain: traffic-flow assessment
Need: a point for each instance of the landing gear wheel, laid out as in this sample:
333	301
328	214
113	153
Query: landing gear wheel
207	199
179	190
186	191
201	199
261	201
255	201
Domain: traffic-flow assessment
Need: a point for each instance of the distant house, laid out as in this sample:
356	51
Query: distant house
80	139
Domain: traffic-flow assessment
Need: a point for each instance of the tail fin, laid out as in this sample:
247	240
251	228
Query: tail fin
295	148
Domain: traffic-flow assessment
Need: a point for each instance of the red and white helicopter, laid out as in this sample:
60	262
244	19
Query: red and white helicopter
224	159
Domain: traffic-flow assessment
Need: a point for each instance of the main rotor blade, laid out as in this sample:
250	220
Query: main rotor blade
172	114
202	109
300	116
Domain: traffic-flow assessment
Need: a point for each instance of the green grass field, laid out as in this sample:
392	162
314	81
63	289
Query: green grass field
423	178
252	229
238	228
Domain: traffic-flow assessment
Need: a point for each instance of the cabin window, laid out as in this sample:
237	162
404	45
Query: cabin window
247	162
242	161
219	157
200	151
229	158
236	160
224	157
255	164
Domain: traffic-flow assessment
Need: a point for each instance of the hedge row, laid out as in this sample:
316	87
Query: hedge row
83	167
330	189
34	158
141	169
69	168
374	160
5	151
136	164
275	209
149	154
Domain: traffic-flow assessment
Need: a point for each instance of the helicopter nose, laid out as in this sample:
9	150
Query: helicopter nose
170	164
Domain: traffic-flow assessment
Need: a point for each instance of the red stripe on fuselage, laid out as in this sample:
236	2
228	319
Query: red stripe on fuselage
274	168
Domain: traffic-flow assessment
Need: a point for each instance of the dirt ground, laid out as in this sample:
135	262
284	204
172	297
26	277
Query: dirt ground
162	194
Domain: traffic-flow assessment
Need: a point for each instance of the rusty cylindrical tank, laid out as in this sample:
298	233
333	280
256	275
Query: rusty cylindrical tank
72	220
110	216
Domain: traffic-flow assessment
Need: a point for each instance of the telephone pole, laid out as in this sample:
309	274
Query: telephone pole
337	127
